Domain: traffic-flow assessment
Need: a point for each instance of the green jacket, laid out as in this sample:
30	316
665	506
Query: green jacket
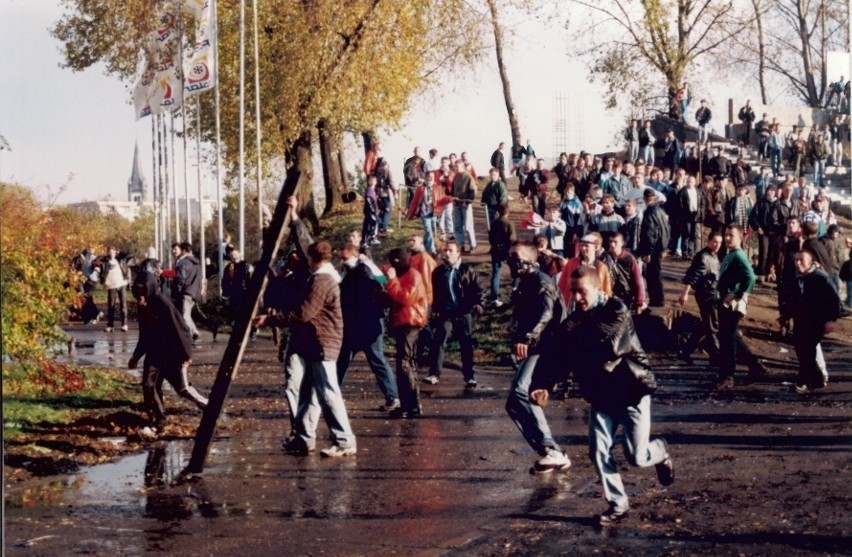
735	275
495	194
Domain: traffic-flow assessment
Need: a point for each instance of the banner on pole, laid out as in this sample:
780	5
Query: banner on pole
199	64
160	83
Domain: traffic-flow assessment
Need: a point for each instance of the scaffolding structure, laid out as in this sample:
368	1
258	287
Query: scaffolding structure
567	138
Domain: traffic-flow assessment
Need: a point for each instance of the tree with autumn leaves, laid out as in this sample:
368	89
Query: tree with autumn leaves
349	66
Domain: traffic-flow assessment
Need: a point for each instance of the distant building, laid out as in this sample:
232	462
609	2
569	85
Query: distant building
137	187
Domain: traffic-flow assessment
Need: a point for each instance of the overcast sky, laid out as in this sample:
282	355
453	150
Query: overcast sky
78	130
61	124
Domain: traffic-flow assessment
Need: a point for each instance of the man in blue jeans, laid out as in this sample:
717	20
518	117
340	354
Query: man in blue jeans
363	324
615	379
537	307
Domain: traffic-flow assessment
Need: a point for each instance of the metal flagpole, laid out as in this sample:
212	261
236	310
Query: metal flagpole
187	205
174	176
154	185
242	192
221	231
183	123
167	190
201	239
257	127
163	192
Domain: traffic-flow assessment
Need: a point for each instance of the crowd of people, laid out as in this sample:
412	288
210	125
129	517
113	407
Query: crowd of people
602	225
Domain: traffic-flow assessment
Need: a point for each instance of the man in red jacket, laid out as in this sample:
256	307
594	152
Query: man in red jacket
409	310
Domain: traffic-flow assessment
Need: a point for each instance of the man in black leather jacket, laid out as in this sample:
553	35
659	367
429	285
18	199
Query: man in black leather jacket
701	278
616	380
537	311
456	296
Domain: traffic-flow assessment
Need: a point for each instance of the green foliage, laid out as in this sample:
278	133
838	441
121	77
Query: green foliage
37	284
29	403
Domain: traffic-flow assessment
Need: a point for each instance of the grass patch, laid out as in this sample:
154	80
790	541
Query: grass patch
30	404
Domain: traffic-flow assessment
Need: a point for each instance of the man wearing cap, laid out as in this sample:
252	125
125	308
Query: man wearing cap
654	237
747	116
702	116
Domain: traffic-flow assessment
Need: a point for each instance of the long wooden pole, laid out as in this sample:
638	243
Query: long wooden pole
257	124
279	230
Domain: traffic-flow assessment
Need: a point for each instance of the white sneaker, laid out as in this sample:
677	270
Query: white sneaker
552	460
336	451
124	328
108	330
431	379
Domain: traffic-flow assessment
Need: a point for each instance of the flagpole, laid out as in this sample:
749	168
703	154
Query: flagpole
242	192
155	185
201	239
214	8
257	127
183	123
174	177
163	203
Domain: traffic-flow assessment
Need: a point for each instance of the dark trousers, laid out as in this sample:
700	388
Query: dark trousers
729	322
116	296
152	390
462	329
540	204
732	346
406	367
654	278
764	247
707	331
690	236
806	341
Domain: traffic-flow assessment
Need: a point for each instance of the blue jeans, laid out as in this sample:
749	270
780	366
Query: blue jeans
702	133
496	270
849	292
491	213
648	155
429	233
321	379
639	449
527	416
374	350
775	161
729	339
294	371
634	150
819	172
463	220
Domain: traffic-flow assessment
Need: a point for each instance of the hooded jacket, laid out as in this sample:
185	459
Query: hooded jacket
164	337
186	281
317	326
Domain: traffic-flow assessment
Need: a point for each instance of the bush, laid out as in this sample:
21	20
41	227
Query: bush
37	283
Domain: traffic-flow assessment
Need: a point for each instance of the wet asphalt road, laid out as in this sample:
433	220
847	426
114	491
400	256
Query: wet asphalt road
760	471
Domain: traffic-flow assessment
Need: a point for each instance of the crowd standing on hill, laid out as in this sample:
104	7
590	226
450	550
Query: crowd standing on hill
602	225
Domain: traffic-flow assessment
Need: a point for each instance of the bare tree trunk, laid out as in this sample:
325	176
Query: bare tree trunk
504	76
299	160
341	165
761	51
330	172
807	63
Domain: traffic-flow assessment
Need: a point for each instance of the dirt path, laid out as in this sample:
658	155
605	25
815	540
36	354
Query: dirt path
760	471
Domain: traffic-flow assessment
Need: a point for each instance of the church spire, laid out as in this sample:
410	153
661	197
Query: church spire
137	187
